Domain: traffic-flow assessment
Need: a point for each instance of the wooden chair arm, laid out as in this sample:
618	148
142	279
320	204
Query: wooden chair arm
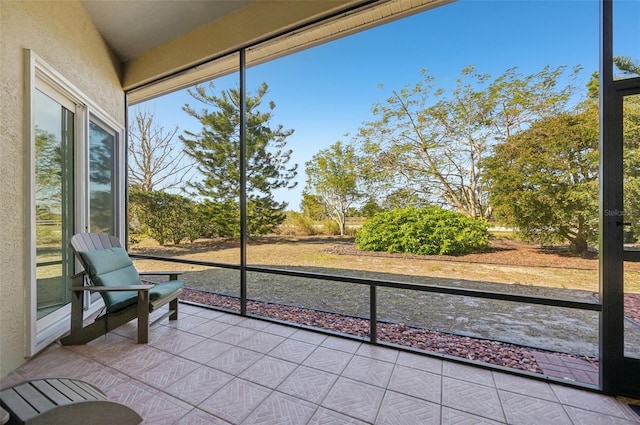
173	275
111	289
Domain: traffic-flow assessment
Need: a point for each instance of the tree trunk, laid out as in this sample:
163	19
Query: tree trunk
579	244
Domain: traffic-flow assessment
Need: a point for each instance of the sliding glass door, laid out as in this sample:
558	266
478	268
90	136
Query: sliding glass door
54	200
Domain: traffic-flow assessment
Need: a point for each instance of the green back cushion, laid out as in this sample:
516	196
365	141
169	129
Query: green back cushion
112	267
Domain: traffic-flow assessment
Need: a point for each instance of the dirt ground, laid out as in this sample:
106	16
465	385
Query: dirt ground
507	251
515	253
507	261
507	266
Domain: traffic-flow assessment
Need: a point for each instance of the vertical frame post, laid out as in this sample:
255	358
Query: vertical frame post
243	184
373	313
611	270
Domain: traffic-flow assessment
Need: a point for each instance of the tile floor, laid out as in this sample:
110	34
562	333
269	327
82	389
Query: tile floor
211	367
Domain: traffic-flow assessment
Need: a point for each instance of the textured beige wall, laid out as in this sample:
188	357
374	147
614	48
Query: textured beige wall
62	34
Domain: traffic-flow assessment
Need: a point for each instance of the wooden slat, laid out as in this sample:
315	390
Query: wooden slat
102	412
77	243
92	241
86	389
63	401
16	404
50	391
33	397
64	389
89	244
157	320
106	241
98	395
102	241
160	302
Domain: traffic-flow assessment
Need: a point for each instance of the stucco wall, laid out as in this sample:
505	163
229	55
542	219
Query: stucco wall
62	34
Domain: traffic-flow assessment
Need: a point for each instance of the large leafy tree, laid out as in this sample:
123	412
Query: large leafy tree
432	141
334	175
311	206
216	151
544	180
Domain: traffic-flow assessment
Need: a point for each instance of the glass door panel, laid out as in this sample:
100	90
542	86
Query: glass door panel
102	179
54	205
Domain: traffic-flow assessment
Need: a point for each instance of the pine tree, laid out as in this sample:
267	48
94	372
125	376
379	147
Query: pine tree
216	151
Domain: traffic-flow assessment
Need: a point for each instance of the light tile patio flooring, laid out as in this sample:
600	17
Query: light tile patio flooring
210	367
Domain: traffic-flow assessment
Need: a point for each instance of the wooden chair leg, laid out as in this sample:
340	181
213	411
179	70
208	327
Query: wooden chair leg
77	311
143	317
173	306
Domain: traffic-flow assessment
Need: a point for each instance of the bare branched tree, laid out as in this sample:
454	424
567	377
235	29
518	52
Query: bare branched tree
155	161
432	141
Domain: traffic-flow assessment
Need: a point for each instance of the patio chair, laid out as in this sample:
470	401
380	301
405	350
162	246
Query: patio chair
62	401
109	271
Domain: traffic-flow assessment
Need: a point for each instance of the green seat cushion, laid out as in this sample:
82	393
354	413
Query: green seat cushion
160	290
163	289
113	267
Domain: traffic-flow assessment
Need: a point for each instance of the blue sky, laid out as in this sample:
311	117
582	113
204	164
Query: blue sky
327	92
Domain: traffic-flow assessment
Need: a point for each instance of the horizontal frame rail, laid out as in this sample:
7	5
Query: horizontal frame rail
476	293
185	261
49	263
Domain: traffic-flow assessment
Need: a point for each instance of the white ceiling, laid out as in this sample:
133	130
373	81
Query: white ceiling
131	27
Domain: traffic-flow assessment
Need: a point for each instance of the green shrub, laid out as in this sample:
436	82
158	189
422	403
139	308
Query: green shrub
424	231
296	224
330	227
165	217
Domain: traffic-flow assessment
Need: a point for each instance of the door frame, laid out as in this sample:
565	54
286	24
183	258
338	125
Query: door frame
40	333
618	375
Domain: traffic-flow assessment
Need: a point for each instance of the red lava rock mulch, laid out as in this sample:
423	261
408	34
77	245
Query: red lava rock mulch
492	352
632	307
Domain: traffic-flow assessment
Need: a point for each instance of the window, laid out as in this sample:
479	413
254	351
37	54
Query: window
103	180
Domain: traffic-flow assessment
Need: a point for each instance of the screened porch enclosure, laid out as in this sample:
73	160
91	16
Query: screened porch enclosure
531	307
